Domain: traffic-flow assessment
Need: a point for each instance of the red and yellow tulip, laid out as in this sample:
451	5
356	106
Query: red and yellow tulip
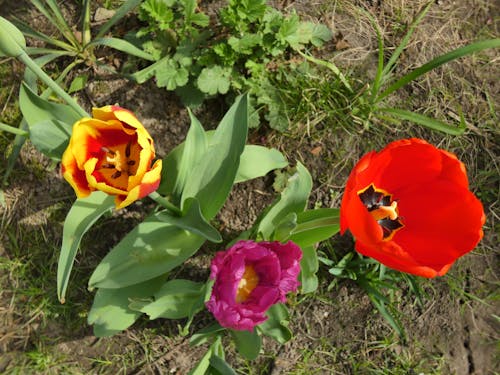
409	207
111	152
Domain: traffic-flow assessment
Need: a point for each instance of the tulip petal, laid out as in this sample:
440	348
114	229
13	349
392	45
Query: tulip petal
75	176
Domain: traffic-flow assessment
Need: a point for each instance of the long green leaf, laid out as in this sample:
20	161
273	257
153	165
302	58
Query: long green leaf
221	366
276	326
192	220
122	45
82	215
257	161
151	249
110	312
212	179
438	61
309	266
86	22
119	14
50	124
176	299
428	122
292	200
404	42
29	31
247	343
183	159
60	22
314	226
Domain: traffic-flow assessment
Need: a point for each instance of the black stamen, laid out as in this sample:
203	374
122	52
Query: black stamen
107	165
127	150
131	162
116	174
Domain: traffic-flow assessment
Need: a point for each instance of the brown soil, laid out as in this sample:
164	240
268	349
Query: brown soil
338	331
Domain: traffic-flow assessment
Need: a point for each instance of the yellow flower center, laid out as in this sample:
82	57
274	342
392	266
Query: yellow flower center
383	209
248	282
119	163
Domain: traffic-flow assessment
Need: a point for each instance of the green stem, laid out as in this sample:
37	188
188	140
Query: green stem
53	85
165	203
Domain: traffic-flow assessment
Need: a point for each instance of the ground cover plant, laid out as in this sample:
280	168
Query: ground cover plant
182	202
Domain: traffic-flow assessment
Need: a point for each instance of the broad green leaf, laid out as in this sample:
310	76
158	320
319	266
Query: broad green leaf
428	122
110	313
214	80
151	249
50	124
308	268
212	179
257	161
12	42
82	215
203	335
292	200
285	227
276	326
203	367
171	75
122	45
176	299
182	160
78	83
247	343
438	61
192	220
220	365
314	226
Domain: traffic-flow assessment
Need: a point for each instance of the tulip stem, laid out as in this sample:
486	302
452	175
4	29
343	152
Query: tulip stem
52	84
165	203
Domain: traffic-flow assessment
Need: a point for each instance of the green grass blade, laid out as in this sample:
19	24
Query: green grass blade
42	51
124	46
119	14
61	23
397	52
428	122
329	65
438	61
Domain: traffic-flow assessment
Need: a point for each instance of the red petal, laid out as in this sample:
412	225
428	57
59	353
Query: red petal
442	222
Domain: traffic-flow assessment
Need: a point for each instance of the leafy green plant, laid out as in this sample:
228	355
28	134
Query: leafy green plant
379	283
233	55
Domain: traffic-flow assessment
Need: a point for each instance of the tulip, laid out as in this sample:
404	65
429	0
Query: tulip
409	207
250	277
111	152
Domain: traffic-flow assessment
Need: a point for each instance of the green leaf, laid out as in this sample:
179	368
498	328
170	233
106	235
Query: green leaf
285	227
82	215
50	124
438	61
308	267
215	79
171	75
220	365
247	343
78	83
183	159
13	130
257	161
276	326
192	220
151	249
203	335
123	46
176	299
12	42
203	367
428	122
293	199
212	179
314	226
110	313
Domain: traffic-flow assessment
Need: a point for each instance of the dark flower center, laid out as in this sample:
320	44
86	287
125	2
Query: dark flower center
383	209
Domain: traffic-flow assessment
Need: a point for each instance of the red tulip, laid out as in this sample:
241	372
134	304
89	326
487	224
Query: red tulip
409	207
